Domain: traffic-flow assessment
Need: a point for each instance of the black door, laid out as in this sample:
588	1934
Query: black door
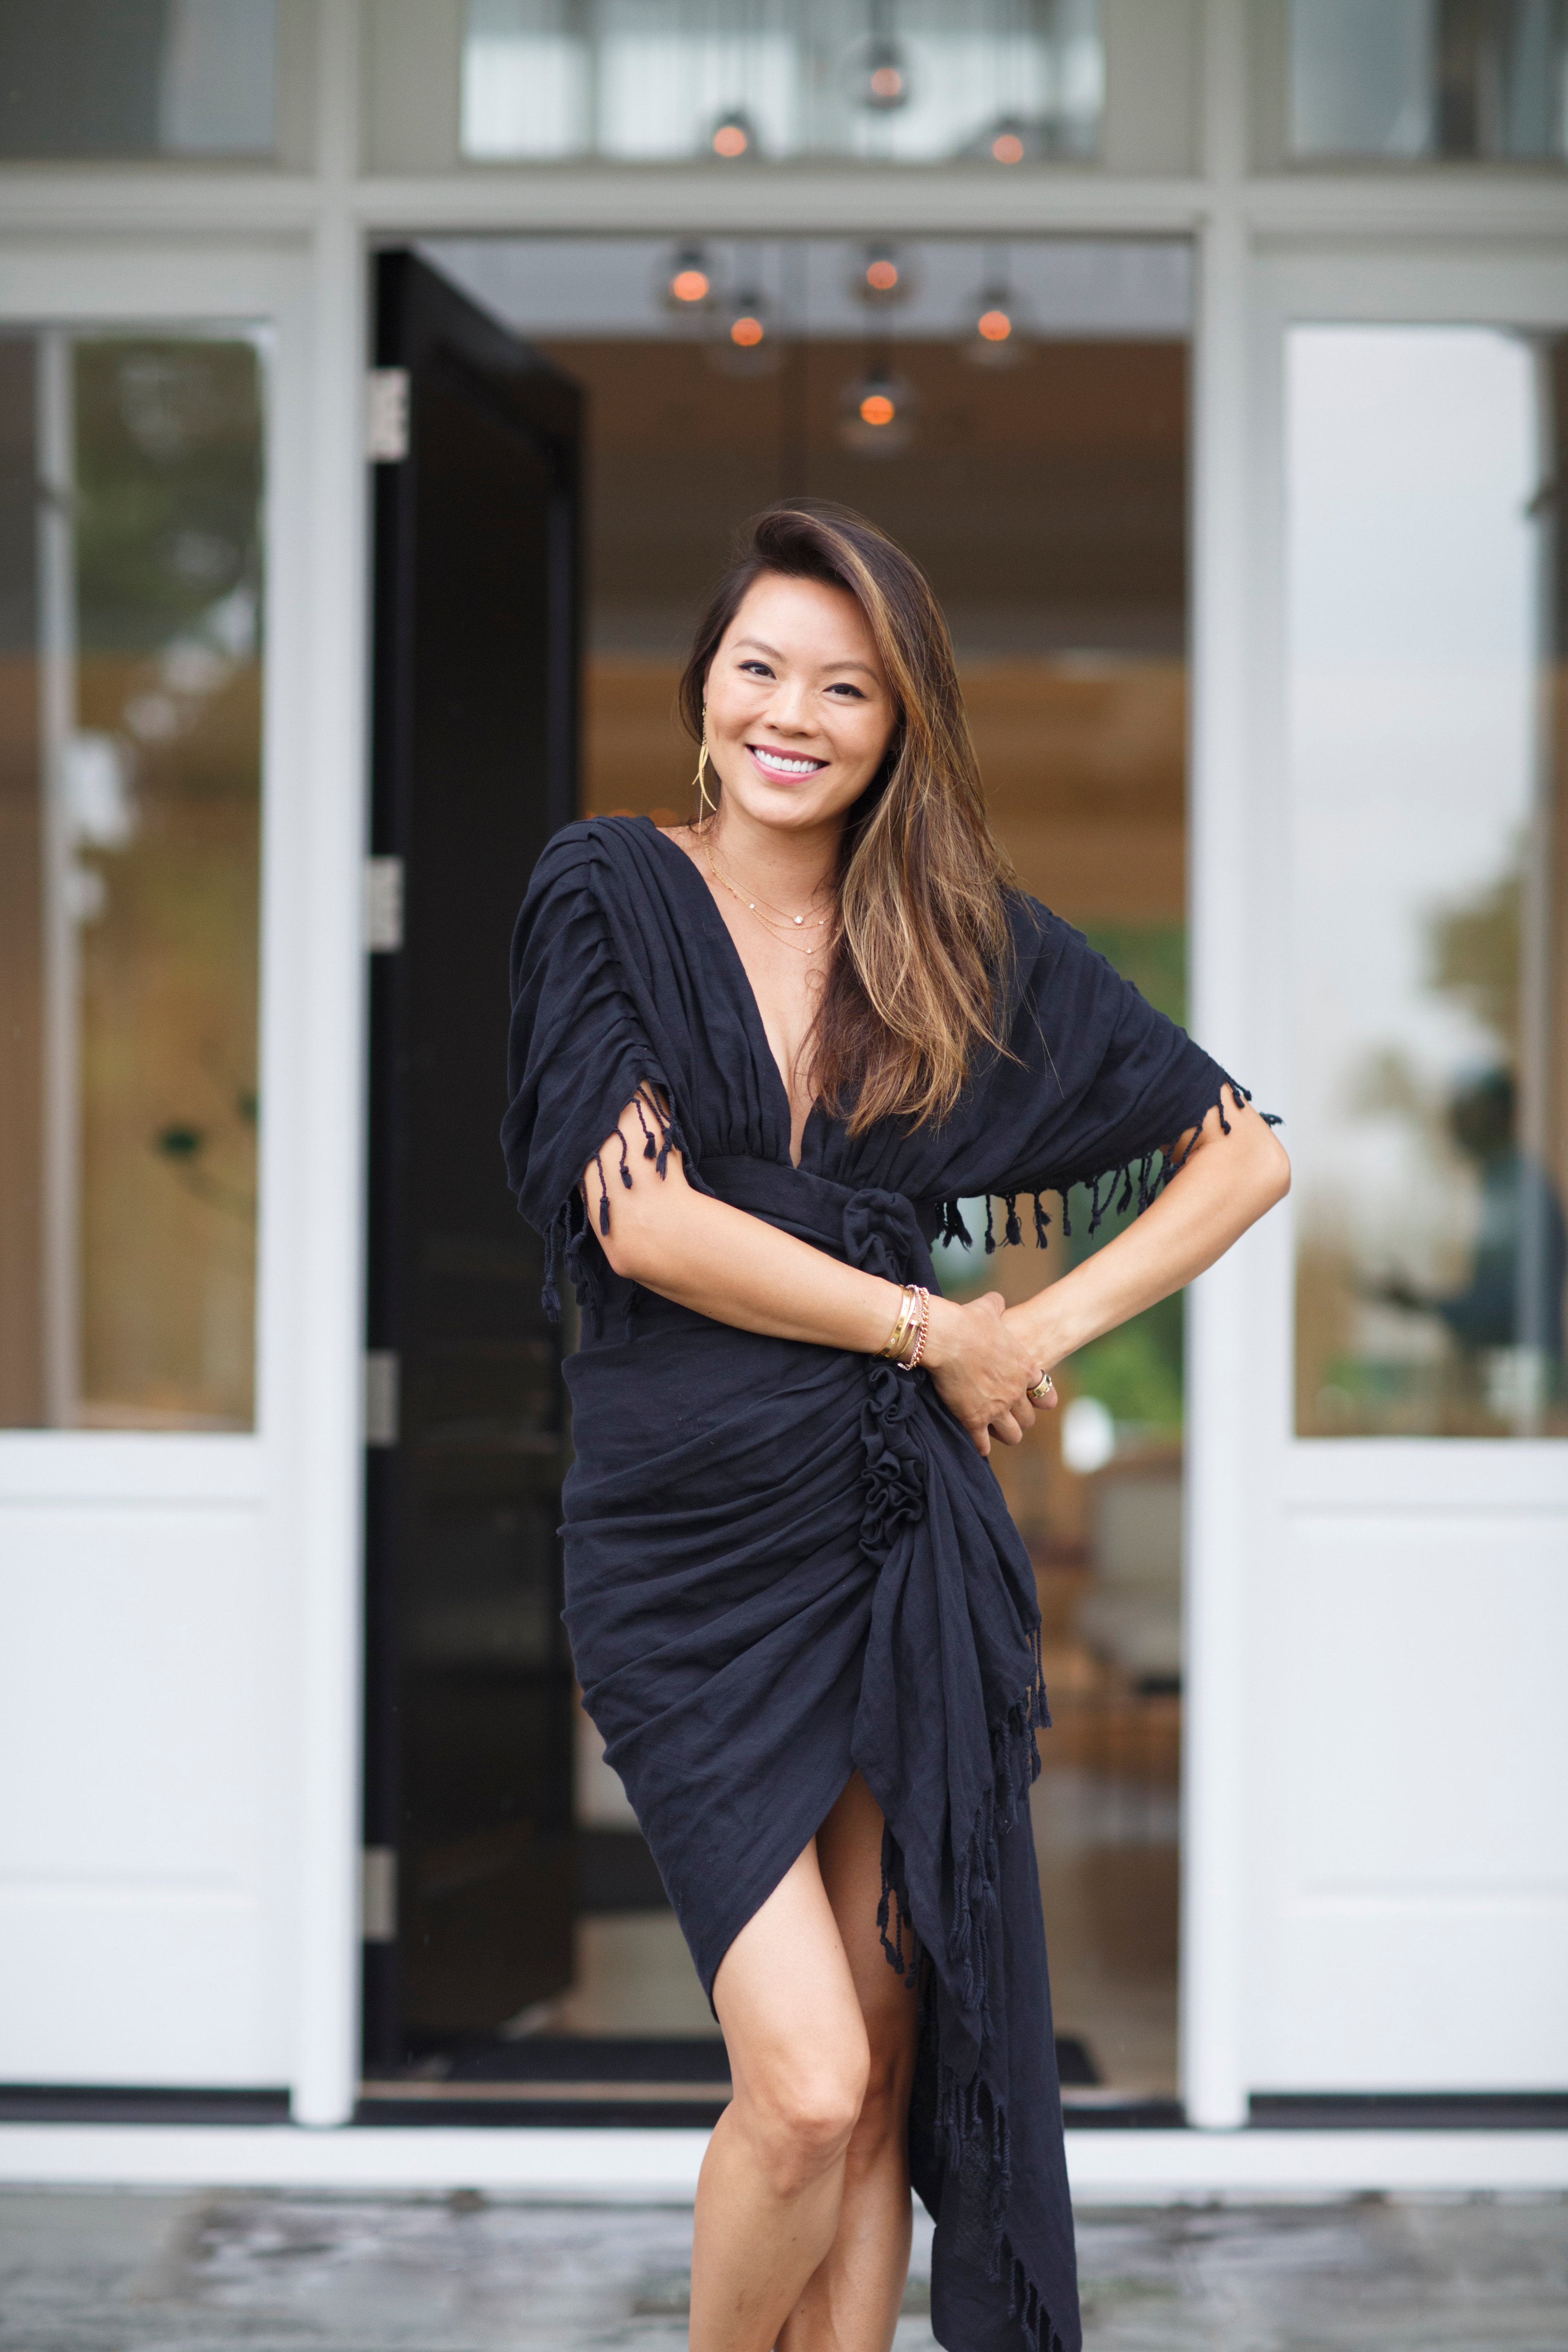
470	1694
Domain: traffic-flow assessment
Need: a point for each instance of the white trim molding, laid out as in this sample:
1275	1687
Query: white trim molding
660	2166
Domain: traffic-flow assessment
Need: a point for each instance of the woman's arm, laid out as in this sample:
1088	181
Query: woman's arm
1226	1182
741	1270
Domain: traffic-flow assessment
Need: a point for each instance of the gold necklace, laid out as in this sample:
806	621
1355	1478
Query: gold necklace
770	924
755	902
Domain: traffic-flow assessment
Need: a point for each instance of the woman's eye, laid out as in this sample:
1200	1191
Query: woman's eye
756	669
845	687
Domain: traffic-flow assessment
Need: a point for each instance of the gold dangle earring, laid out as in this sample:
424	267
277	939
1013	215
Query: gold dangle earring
706	807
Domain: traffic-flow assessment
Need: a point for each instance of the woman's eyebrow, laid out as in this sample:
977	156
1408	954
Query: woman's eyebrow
761	645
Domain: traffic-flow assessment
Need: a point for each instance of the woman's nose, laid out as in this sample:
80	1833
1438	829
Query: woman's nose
788	709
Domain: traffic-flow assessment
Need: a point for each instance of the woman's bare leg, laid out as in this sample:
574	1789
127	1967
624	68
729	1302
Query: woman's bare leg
850	2304
773	2179
803	2208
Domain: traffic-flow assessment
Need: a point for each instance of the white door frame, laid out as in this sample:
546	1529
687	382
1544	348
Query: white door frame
297	1475
1265	1478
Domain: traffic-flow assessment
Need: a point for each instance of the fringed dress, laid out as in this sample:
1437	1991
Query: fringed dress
784	1561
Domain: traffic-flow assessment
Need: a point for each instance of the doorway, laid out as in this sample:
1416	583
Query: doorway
1016	416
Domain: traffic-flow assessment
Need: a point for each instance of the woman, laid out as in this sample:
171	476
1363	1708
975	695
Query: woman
757	1062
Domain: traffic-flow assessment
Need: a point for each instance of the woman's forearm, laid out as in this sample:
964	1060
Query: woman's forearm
736	1268
1225	1185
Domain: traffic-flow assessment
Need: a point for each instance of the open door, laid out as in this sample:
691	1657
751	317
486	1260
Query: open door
469	1910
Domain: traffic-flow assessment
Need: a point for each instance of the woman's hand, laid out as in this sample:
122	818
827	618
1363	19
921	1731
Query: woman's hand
982	1365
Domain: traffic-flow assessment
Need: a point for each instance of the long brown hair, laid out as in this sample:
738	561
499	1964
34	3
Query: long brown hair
919	984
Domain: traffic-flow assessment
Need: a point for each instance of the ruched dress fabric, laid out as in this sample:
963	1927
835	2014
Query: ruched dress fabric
784	1561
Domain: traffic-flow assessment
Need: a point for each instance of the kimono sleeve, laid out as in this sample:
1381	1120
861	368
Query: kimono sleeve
578	1053
1097	1088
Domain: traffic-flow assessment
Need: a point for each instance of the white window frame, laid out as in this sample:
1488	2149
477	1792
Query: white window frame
297	1471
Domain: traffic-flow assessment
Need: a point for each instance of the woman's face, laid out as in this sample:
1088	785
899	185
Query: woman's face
799	713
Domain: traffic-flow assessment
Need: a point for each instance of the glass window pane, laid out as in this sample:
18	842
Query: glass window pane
1406	78
1428	1128
129	77
1004	80
129	799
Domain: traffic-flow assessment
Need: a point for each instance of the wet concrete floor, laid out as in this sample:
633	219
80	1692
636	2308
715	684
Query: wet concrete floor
94	2270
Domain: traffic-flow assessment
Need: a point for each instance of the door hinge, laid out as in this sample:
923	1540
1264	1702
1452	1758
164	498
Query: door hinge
387	416
378	1895
381	1397
383	904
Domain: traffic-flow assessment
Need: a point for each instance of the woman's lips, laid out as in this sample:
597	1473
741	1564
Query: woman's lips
784	767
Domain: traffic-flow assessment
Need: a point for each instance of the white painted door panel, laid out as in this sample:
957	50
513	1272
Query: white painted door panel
1411	1823
140	1899
1398	1626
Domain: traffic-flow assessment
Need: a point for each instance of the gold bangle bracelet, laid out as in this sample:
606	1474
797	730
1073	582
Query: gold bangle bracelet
909	1310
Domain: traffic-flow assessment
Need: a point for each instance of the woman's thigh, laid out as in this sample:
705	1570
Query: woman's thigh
849	1856
786	1997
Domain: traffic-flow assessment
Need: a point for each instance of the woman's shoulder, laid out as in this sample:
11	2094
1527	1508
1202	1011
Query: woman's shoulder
1041	938
593	850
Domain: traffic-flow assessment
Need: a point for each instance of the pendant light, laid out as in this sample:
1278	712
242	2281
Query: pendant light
996	335
732	137
875	411
689	282
879	69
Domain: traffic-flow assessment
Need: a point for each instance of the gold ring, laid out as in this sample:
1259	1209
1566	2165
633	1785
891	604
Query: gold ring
1044	1387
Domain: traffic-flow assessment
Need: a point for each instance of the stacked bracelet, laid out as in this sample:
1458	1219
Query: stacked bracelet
919	1348
904	1329
908	1343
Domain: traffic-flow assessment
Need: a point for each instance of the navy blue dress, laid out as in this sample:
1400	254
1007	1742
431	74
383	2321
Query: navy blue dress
784	1561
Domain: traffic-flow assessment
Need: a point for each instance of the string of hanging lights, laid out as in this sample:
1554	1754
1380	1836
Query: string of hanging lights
739	326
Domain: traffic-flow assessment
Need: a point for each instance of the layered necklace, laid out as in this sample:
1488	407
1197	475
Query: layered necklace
780	925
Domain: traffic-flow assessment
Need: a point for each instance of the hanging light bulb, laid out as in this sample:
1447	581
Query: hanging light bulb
997	337
884	78
875	412
881	278
1012	139
744	340
732	136
690	281
997	342
879	69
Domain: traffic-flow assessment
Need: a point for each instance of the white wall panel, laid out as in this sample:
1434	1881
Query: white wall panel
1411	1806
146	1780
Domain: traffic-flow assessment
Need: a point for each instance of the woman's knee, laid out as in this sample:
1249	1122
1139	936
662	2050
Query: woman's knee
802	2110
885	2104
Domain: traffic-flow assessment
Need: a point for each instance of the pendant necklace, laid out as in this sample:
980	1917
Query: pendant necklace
774	919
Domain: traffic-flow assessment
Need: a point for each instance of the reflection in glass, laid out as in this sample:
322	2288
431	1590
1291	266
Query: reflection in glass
1003	80
1406	79
130	798
1428	854
127	77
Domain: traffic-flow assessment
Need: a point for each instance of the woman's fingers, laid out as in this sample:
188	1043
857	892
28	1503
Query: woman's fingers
1006	1428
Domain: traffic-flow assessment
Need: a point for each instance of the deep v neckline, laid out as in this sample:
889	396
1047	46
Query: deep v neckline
752	1012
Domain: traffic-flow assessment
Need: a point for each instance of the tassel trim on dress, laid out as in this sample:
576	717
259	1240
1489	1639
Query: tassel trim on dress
567	1236
1141	1181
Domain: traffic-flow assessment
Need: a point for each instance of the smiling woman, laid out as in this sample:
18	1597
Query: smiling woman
804	1623
869	692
